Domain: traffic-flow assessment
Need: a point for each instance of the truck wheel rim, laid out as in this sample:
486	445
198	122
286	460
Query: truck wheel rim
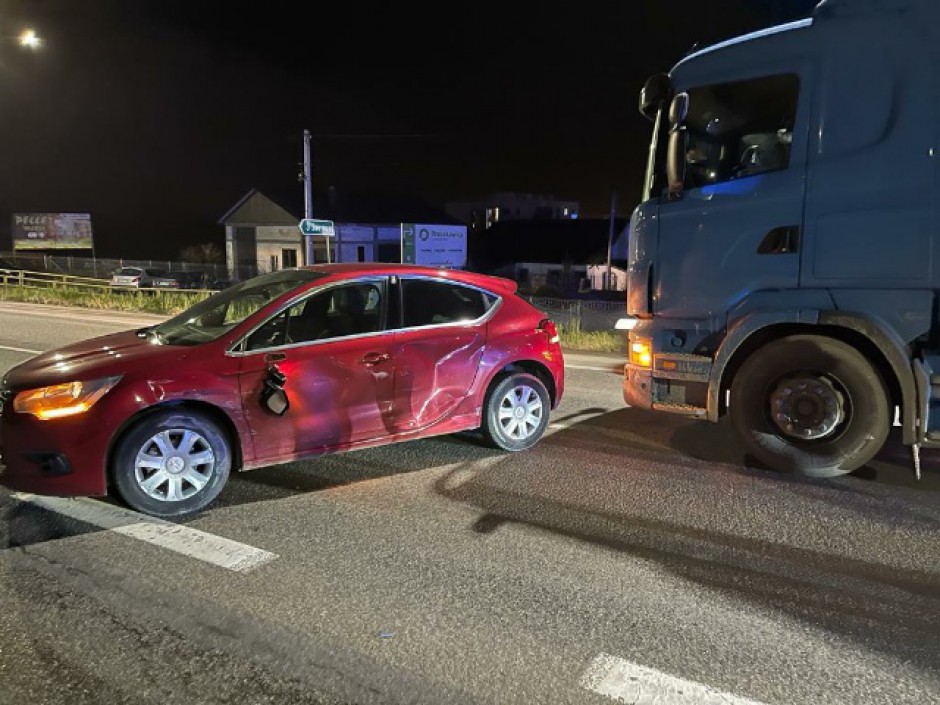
520	412
174	465
808	408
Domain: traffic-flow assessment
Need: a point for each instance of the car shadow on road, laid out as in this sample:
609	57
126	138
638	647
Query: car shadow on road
330	471
695	507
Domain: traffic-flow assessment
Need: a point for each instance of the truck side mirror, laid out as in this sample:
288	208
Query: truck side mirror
675	162
678	144
679	110
656	93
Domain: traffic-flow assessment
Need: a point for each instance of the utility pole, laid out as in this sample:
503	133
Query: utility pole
309	256
610	235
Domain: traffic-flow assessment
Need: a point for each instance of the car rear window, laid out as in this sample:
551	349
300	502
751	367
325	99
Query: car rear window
128	272
427	302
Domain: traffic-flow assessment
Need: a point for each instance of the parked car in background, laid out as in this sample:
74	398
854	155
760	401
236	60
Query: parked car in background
284	366
194	280
220	284
143	278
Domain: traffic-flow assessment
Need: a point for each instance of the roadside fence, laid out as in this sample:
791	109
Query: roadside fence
585	315
93	274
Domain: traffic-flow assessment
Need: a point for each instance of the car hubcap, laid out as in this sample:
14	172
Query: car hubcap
807	407
520	412
174	465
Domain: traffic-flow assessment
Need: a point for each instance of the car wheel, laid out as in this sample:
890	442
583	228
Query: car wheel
515	413
811	405
171	463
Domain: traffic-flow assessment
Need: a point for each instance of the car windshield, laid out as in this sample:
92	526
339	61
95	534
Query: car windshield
218	314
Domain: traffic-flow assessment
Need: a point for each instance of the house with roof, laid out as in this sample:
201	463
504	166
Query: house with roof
262	233
564	257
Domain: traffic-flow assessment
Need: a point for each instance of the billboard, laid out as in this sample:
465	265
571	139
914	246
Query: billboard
52	231
434	245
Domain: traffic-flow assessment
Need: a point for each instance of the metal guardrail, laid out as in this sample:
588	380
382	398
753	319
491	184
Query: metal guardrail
47	280
103	267
586	315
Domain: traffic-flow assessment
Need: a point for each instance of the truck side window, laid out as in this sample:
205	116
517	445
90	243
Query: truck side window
740	129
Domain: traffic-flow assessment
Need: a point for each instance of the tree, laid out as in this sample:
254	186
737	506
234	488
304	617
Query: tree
203	253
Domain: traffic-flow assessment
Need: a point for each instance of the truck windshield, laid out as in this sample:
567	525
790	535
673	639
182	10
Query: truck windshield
738	129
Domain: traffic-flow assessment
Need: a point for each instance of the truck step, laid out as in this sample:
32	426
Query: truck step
683	409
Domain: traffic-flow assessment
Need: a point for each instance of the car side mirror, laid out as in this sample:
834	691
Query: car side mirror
273	396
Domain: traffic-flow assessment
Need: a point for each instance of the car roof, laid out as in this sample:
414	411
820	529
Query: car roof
498	285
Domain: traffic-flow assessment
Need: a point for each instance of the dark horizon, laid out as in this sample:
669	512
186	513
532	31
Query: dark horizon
156	117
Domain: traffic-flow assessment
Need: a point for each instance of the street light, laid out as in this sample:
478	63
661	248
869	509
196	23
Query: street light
29	39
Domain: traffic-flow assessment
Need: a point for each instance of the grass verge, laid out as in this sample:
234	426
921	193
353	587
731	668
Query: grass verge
169	303
165	303
574	339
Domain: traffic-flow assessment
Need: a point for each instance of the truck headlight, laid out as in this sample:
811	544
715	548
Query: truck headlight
628	323
641	352
67	399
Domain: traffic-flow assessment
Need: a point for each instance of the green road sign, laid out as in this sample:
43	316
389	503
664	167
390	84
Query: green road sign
408	243
309	226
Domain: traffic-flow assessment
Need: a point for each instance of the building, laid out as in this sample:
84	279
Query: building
597	277
552	257
262	233
509	206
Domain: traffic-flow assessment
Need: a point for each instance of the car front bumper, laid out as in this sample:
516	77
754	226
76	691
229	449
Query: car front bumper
64	457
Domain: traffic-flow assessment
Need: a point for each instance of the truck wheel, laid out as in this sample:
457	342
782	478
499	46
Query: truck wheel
811	405
171	463
515	413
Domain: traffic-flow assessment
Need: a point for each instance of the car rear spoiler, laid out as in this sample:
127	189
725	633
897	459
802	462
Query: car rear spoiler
500	285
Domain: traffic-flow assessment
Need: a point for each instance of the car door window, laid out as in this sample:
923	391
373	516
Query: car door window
427	302
338	312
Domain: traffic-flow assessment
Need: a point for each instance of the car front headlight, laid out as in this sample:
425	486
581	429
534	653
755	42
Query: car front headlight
67	399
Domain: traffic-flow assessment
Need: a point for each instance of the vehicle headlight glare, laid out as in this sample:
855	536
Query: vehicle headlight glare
66	399
641	352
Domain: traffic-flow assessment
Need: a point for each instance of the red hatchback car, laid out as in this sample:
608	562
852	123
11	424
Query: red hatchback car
287	365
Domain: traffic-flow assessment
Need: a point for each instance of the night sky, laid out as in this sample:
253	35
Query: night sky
156	116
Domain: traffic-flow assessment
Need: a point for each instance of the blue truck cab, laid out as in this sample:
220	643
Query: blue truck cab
784	263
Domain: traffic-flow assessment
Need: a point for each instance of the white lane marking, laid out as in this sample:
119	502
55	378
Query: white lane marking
203	546
629	682
614	369
92	316
22	350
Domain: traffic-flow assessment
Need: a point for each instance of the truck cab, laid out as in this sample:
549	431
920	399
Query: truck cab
785	259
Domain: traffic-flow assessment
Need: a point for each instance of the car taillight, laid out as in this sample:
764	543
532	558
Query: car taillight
547	326
135	280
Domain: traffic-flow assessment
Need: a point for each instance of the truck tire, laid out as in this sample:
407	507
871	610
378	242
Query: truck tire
811	405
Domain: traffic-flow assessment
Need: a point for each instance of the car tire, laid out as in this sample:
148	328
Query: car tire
515	412
810	405
171	463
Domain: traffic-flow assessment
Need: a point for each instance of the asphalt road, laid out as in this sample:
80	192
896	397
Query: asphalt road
629	555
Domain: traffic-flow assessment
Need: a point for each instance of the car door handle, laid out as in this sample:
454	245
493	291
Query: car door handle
370	359
271	358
